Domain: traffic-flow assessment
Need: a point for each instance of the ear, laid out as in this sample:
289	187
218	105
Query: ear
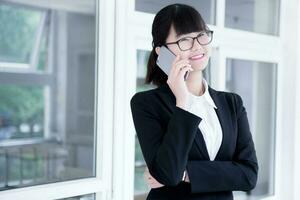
157	49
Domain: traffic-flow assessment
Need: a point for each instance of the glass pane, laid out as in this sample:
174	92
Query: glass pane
83	197
140	185
47	125
256	83
206	8
18	32
41	60
253	15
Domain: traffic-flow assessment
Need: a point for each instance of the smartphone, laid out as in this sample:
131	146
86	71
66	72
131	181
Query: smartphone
165	60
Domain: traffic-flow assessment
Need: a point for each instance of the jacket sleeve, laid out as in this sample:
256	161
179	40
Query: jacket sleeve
165	151
237	174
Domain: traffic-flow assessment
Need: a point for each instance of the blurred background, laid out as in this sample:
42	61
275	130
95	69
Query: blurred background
68	69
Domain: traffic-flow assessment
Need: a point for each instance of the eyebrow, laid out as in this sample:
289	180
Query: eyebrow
185	35
179	35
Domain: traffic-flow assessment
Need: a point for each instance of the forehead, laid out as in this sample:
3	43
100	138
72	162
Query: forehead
173	35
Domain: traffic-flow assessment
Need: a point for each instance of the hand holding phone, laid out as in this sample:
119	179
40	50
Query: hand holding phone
177	70
165	60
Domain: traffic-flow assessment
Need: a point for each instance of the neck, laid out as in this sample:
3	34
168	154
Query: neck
195	84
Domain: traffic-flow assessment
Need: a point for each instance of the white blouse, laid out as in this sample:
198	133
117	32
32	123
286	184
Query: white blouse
203	106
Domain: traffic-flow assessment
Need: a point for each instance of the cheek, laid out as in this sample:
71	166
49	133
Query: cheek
208	50
184	54
176	51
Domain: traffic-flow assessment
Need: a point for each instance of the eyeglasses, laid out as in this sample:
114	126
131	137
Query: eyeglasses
187	43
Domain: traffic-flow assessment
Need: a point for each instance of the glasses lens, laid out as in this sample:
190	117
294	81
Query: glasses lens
204	38
185	43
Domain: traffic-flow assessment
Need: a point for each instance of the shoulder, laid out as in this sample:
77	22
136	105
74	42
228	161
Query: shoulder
144	101
142	97
230	97
143	104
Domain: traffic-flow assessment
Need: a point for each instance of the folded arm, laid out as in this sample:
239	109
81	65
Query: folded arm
237	174
165	151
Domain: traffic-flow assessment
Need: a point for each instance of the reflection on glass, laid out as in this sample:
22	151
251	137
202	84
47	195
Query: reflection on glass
21	111
18	32
47	119
83	197
255	82
206	8
253	15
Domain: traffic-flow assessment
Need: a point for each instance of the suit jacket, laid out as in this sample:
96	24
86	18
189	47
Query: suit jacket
172	142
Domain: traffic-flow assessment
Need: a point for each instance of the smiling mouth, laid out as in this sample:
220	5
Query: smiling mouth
197	57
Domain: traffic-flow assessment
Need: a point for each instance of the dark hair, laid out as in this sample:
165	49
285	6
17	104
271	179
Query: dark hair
185	19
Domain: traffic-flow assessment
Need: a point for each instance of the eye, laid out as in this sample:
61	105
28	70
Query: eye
201	34
184	39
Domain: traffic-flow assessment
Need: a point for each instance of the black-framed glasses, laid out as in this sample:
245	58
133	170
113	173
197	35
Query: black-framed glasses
187	43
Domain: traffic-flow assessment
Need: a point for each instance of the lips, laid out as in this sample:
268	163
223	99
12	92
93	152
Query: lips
197	57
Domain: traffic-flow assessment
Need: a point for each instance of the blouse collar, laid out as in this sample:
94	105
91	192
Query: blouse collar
204	97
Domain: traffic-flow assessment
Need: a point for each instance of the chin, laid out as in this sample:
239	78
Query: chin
200	66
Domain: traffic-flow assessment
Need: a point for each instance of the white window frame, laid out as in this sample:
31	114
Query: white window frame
101	185
297	117
136	26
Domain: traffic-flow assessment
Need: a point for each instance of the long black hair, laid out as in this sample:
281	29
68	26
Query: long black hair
185	19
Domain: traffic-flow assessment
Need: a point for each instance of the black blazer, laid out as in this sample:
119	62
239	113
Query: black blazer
172	142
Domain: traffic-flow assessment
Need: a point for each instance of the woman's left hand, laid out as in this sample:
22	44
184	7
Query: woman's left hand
151	181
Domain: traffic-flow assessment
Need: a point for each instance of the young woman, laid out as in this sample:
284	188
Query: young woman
195	140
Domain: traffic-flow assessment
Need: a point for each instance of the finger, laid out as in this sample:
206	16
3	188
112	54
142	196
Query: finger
148	178
176	59
184	70
182	61
182	64
181	67
171	73
153	181
156	185
175	65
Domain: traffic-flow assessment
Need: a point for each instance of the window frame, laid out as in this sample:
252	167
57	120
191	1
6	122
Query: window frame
101	184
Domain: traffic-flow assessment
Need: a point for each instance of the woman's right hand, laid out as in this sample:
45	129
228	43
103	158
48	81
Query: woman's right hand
150	180
176	80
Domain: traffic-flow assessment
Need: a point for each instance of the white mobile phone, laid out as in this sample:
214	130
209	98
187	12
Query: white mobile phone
165	60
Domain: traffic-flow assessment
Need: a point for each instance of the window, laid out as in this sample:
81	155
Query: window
255	82
206	8
47	94
253	15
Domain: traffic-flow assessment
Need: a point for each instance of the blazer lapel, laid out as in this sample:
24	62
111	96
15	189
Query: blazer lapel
224	119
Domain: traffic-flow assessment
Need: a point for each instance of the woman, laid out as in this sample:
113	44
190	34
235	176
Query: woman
195	140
